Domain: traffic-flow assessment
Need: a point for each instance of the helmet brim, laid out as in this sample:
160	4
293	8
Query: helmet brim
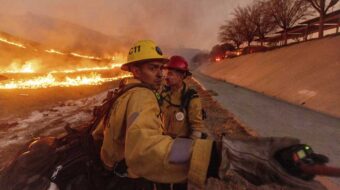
125	66
188	73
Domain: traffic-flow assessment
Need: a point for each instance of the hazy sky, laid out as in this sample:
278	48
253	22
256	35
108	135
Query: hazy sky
176	23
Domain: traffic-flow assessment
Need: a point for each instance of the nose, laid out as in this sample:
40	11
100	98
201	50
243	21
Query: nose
160	73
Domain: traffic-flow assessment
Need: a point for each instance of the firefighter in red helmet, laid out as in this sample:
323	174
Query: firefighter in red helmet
181	104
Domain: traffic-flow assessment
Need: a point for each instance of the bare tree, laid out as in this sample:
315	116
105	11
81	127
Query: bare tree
322	7
247	29
287	13
262	19
230	32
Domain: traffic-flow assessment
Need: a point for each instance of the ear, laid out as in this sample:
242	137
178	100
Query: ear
136	71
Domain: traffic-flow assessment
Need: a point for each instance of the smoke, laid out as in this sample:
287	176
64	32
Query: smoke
186	23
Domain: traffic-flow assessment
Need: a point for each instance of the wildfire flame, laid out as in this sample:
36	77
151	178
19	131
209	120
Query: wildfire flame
89	69
11	43
27	67
85	56
50	81
55	52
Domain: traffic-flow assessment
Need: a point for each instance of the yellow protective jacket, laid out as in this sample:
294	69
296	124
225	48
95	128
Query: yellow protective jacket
135	133
191	125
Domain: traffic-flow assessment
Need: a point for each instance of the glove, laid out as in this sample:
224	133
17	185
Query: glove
320	158
253	159
293	157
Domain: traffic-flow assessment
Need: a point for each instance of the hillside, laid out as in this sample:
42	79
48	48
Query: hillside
60	34
306	74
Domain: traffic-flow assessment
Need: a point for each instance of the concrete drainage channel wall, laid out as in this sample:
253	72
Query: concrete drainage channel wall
305	74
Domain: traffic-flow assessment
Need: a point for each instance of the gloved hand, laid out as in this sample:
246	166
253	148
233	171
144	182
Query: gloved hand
253	159
320	158
292	158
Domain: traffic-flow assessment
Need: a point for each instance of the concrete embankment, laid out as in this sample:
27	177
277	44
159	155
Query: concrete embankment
306	74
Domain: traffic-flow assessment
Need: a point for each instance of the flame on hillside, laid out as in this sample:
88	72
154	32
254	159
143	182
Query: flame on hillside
4	40
78	78
16	67
32	66
51	81
58	52
85	56
55	52
71	74
113	66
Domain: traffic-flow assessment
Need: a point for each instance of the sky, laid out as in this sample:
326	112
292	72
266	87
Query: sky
174	23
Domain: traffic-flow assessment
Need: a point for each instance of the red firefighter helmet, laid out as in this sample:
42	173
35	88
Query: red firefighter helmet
178	63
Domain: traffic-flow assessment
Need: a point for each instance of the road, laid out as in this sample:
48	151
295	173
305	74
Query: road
271	117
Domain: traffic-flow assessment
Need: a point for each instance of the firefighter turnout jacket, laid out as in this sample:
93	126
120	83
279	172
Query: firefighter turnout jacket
182	112
135	132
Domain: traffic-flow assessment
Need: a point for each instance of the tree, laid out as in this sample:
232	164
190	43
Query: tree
247	29
322	7
262	19
287	13
227	47
230	33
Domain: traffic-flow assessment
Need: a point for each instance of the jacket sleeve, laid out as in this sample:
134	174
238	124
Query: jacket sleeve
195	117
157	157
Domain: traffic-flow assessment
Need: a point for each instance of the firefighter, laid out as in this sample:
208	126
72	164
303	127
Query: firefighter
134	146
181	105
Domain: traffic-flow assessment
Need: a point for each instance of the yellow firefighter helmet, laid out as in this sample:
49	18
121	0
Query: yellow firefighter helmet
144	50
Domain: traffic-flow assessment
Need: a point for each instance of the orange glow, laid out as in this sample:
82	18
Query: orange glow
29	66
117	58
32	66
11	43
50	81
85	56
217	59
70	75
89	69
55	52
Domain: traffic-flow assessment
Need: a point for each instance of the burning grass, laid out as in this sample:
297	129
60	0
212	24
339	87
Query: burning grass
20	102
24	66
50	80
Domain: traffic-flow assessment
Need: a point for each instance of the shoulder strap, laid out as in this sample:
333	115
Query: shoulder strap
187	97
105	109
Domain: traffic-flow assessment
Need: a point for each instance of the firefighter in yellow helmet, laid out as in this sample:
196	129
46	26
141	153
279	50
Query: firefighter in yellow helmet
135	146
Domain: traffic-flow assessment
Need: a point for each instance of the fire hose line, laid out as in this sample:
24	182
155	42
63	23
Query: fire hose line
320	170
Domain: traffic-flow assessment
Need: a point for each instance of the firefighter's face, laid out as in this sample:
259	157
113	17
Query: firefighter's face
173	77
150	73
